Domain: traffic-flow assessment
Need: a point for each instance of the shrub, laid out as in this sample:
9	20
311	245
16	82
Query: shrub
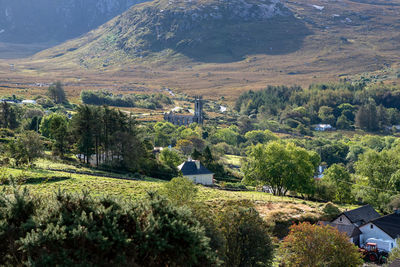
395	253
314	245
330	211
69	230
247	241
180	190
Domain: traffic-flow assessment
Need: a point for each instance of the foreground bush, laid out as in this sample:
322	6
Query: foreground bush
314	245
236	230
81	231
247	241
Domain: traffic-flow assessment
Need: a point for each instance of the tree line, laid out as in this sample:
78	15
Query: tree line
99	136
154	101
343	105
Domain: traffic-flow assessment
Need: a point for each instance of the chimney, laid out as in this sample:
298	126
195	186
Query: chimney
197	164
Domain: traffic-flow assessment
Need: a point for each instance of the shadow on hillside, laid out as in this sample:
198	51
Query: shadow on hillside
46	180
230	43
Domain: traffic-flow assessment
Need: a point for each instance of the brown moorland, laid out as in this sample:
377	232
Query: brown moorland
346	38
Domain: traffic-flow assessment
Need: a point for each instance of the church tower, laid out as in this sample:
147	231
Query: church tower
198	110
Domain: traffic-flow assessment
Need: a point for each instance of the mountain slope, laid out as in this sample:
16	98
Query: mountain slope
50	20
204	30
299	42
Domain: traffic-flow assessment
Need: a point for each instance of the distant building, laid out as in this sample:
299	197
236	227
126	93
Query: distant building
9	101
320	173
194	170
26	102
324	127
178	119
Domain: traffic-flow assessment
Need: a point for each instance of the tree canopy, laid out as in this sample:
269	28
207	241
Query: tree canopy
282	167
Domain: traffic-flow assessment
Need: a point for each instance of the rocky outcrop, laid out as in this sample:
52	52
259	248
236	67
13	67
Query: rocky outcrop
50	20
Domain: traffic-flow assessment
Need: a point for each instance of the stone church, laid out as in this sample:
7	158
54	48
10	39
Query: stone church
178	119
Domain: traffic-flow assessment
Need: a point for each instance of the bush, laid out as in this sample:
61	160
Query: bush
180	190
247	241
132	100
72	230
330	211
318	246
233	185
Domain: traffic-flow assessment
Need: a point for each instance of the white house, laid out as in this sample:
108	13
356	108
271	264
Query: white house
320	174
27	102
194	170
323	127
384	230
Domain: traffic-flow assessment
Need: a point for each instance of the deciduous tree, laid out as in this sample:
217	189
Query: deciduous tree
26	148
282	167
340	178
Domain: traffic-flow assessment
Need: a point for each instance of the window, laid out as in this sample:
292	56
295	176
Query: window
340	219
392	245
372	226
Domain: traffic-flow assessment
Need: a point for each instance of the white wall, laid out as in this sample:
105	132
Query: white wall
375	232
204	179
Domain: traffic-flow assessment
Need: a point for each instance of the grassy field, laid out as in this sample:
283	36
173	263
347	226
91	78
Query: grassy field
44	182
233	160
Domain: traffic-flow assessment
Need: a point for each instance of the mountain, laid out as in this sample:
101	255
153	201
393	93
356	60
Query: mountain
220	48
203	30
55	20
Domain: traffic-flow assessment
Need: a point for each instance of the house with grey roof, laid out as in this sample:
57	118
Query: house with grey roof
357	216
194	170
384	230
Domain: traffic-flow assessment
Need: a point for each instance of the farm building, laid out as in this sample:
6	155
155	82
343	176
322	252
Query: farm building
358	216
365	225
194	170
384	230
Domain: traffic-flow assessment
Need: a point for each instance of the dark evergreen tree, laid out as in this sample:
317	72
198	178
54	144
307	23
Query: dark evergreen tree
56	93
